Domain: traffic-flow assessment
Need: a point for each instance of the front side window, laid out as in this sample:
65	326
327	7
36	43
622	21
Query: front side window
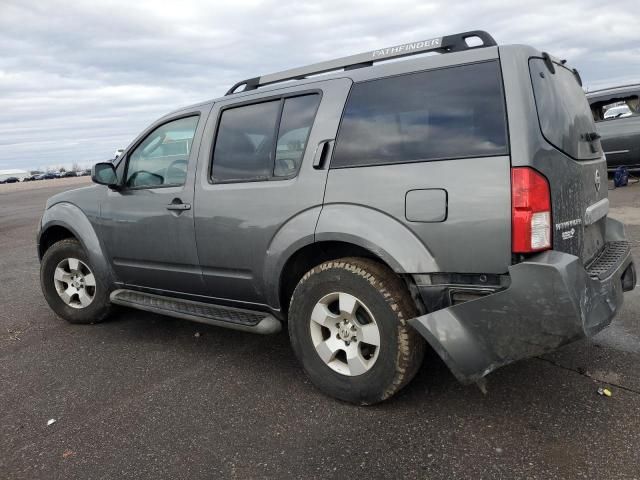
162	157
263	140
455	112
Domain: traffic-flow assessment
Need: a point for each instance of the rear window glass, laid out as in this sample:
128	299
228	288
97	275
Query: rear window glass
455	112
563	111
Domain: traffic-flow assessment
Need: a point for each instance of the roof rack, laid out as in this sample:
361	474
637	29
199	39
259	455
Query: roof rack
446	44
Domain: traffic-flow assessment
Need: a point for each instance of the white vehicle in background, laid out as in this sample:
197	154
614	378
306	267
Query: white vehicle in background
620	111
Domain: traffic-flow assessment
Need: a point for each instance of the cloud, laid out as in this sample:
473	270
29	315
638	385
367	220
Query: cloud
79	80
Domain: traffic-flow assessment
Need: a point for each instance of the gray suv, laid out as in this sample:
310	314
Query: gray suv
457	201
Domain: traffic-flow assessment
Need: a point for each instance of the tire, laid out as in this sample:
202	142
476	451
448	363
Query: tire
381	299
94	306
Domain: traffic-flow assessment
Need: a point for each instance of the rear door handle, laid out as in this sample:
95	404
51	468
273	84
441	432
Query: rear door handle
322	154
179	206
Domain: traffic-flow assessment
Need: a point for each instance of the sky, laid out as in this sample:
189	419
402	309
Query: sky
80	79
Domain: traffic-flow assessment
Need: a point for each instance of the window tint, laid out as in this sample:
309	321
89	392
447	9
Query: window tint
162	157
297	118
447	113
245	147
563	110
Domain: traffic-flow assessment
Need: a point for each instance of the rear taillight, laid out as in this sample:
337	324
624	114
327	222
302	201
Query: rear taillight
530	211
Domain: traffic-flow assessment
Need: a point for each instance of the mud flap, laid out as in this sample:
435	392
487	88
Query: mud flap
551	301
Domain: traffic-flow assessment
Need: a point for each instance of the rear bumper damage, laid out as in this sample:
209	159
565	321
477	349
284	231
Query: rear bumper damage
552	301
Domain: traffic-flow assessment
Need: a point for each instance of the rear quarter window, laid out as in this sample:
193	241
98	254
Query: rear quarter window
455	112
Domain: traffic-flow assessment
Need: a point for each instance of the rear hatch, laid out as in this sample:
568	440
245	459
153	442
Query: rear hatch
574	163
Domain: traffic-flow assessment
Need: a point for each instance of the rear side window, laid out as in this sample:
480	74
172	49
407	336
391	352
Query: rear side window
263	141
565	118
455	112
297	119
245	142
611	107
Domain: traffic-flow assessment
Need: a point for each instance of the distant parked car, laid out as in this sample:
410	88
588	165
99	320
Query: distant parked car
86	172
33	176
617	114
12	180
46	176
69	174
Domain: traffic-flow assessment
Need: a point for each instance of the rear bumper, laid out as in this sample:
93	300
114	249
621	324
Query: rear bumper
552	300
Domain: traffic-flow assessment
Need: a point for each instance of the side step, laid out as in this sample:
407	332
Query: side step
218	315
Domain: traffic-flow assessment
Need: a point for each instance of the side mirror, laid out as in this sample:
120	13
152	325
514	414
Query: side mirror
104	173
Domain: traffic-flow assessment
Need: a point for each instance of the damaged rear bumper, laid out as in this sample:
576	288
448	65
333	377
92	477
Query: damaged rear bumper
552	300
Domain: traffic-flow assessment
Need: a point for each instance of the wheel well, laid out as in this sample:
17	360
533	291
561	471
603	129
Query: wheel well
308	257
52	235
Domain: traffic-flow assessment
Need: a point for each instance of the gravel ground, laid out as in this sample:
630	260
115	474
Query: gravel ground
143	396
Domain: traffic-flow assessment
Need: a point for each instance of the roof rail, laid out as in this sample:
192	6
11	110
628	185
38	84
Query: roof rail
446	44
628	85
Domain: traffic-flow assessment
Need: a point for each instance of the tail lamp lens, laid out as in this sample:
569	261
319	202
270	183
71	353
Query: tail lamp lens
530	211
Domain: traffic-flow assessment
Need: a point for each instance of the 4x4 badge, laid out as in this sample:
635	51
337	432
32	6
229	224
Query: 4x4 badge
597	180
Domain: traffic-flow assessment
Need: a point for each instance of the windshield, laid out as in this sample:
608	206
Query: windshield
563	111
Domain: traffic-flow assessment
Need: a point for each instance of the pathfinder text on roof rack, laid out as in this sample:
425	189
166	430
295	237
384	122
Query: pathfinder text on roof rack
448	44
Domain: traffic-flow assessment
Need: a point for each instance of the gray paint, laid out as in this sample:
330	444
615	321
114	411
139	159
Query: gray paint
572	182
621	141
478	218
551	301
426	205
61	212
378	232
150	245
232	245
240	227
620	136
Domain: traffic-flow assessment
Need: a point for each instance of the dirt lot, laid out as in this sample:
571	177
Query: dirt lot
142	396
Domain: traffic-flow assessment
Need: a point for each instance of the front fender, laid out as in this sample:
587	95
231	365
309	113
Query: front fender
72	218
377	232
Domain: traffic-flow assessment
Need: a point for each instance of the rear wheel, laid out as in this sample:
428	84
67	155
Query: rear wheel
70	286
348	327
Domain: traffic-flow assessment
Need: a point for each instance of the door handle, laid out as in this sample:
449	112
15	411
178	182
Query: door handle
322	154
179	206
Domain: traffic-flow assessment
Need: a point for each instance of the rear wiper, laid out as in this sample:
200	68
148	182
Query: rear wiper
591	137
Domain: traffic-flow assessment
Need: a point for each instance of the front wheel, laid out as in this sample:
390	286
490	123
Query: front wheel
70	286
348	328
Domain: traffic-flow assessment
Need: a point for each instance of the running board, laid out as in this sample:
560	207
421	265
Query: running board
218	315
